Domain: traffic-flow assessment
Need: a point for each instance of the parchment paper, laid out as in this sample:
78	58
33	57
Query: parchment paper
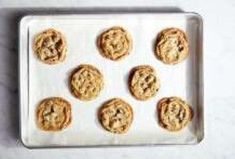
81	32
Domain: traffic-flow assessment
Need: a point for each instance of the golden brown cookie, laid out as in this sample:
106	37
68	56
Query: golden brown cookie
50	46
53	114
115	43
116	116
172	46
86	82
143	82
174	113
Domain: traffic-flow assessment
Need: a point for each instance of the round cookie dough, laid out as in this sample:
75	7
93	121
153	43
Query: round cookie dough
86	82
50	46
143	82
116	116
174	113
115	43
172	46
53	114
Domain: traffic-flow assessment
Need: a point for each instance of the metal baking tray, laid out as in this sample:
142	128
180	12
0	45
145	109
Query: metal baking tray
38	80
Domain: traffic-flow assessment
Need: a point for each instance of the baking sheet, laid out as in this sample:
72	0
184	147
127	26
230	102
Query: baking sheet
39	81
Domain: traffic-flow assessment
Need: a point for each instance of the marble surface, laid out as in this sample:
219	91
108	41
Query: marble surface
219	64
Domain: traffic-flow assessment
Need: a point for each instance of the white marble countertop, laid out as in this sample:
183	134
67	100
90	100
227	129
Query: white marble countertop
219	64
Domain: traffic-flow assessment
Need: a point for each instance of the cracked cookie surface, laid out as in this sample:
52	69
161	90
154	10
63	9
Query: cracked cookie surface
116	116
50	46
115	43
143	82
174	113
86	82
172	46
53	114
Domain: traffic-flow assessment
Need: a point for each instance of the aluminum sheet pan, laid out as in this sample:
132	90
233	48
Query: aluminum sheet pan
38	80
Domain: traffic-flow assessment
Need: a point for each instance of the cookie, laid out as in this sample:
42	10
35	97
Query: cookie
172	46
50	46
116	116
115	43
143	82
86	82
53	114
174	113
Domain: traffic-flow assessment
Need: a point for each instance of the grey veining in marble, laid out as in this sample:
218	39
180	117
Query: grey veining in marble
219	59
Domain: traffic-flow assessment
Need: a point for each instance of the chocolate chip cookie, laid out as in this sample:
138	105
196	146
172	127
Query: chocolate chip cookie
172	46
116	116
50	46
143	82
86	82
53	114
115	43
174	113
